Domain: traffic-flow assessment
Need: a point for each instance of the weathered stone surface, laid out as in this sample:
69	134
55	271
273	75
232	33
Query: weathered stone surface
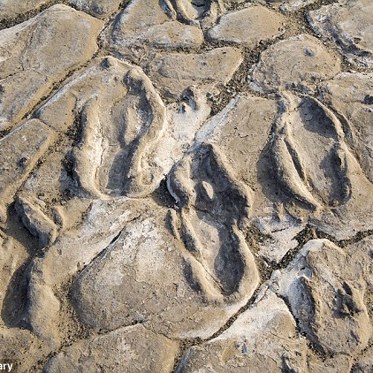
13	8
111	143
158	214
325	288
337	363
39	53
200	12
172	73
290	5
298	62
364	363
321	174
132	349
97	8
12	257
182	295
349	24
262	339
143	22
120	116
241	132
246	26
351	96
36	221
100	223
20	151
21	348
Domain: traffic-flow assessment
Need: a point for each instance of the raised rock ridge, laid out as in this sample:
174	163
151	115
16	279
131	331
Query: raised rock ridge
186	186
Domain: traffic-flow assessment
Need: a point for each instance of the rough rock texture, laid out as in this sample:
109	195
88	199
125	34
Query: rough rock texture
351	96
132	349
325	288
263	338
14	8
309	139
157	27
233	27
298	62
186	186
97	8
172	73
290	5
19	153
349	24
39	53
182	295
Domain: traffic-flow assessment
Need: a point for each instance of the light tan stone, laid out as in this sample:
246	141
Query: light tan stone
349	25
364	363
19	153
290	5
149	276
133	350
34	219
40	52
325	288
12	257
143	22
100	223
97	8
298	62
351	96
13	8
241	131
22	348
172	73
248	26
113	96
178	167
321	175
262	339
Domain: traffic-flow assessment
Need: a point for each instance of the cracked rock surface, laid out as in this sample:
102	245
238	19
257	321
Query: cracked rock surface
186	186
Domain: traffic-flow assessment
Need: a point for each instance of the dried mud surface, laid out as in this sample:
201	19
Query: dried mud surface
186	186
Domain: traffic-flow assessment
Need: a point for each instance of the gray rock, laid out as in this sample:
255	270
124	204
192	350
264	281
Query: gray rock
349	25
97	8
143	22
325	288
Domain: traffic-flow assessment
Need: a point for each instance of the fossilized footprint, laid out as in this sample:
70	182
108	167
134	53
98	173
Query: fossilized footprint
309	153
114	154
212	207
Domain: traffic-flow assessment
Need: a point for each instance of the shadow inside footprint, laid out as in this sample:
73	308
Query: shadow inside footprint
309	153
213	205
